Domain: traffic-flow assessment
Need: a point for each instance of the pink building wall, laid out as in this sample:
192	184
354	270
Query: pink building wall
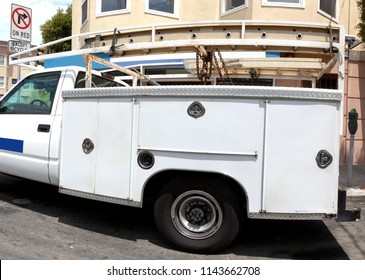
354	98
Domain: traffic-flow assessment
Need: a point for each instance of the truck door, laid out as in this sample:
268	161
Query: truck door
96	158
294	183
25	126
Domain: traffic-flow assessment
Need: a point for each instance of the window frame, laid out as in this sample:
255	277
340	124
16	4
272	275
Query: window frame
97	81
147	10
300	4
2	84
3	61
87	11
325	14
99	13
17	91
227	12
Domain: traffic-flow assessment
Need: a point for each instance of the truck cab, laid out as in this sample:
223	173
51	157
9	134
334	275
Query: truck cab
30	121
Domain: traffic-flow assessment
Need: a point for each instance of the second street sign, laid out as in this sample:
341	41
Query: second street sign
17	46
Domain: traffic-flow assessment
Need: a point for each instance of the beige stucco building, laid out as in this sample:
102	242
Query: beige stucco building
94	15
91	15
9	74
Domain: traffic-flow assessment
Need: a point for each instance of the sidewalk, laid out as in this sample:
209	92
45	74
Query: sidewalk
358	180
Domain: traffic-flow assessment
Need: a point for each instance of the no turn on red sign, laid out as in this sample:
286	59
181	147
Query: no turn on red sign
21	23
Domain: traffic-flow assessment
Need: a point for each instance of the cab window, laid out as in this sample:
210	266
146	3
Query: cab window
96	81
33	95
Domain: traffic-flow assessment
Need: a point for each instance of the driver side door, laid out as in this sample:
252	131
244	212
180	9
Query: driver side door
25	126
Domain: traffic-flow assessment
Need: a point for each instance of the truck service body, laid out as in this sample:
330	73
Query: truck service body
206	156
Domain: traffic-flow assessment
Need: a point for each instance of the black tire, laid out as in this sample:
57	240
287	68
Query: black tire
197	215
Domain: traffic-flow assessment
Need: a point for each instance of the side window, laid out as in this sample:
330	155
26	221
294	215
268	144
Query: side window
84	11
288	3
33	95
105	7
96	81
233	5
166	8
2	60
329	7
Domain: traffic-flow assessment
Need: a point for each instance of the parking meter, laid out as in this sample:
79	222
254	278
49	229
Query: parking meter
352	124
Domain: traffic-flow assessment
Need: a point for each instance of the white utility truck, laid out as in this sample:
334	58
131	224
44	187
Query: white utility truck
207	156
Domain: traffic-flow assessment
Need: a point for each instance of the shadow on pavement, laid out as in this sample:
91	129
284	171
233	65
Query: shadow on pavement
304	240
298	240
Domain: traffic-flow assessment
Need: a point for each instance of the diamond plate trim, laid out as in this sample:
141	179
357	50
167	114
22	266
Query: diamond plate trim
100	197
287	216
207	91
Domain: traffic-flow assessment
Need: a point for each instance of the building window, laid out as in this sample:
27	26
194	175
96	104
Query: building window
84	11
233	5
2	60
168	8
329	7
2	80
106	7
287	3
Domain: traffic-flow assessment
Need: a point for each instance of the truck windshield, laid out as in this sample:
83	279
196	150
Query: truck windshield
33	95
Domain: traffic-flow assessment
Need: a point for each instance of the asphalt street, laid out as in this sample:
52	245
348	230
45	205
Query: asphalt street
36	222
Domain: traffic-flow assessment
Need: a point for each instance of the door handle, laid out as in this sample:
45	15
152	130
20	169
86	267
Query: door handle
44	128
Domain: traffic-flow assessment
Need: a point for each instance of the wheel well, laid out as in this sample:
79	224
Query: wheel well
155	184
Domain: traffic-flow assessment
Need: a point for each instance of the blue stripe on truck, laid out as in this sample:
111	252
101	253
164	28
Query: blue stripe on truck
12	145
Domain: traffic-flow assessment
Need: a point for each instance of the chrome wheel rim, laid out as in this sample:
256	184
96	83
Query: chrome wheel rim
196	215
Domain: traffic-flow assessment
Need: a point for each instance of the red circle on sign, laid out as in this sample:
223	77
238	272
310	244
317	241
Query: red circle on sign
19	12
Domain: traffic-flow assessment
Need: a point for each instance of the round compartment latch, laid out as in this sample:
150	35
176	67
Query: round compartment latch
323	159
87	146
145	160
196	110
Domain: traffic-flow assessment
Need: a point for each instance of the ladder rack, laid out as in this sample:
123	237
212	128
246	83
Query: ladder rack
306	50
283	37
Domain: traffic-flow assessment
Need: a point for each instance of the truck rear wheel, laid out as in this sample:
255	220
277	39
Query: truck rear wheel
197	215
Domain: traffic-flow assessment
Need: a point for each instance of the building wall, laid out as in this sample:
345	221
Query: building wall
9	73
137	14
354	99
193	10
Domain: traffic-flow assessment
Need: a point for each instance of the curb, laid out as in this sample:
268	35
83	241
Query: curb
355	191
352	191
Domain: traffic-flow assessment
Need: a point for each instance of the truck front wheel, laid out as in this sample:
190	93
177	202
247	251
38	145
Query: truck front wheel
197	215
